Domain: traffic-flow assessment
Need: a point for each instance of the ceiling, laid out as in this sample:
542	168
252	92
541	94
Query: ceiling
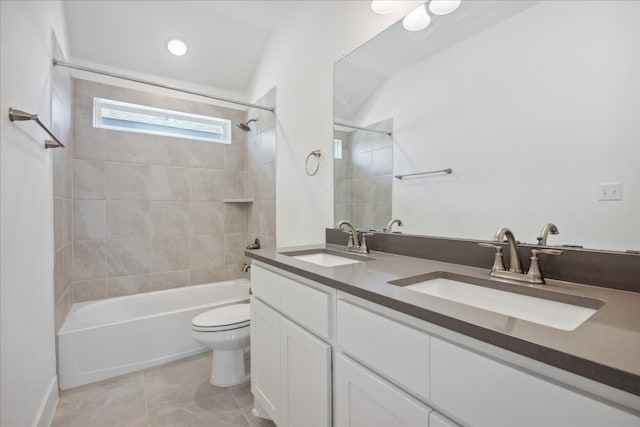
225	38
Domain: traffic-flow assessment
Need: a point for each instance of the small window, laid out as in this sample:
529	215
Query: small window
337	148
116	115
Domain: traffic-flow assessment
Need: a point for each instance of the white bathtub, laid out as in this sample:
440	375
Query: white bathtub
105	338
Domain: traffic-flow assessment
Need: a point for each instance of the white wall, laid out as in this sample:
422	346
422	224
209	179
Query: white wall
27	360
299	60
531	114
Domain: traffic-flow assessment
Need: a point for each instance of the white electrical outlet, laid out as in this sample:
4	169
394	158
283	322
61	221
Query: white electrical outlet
611	191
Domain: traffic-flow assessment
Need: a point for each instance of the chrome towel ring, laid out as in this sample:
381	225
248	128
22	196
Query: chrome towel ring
315	157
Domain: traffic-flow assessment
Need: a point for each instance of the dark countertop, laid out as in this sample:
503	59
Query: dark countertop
605	348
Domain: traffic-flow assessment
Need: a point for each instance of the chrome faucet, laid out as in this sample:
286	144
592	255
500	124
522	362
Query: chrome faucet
534	275
353	233
514	256
546	230
354	244
393	221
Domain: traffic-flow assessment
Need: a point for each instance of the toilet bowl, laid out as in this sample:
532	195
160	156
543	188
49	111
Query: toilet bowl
226	331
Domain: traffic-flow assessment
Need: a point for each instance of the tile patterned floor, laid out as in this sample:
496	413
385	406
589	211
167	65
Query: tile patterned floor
173	395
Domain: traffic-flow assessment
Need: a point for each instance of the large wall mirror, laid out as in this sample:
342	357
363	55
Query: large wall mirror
533	105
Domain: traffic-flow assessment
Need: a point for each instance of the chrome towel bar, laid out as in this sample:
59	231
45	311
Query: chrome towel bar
447	171
19	116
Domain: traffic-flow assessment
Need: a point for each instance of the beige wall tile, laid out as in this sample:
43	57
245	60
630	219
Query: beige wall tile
89	258
205	154
62	174
127	219
89	142
62	270
127	181
234	246
170	253
89	220
62	307
89	290
382	161
234	185
128	285
128	147
208	275
83	93
61	222
205	184
207	250
88	180
234	155
170	279
169	151
235	217
169	218
268	151
207	217
126	257
168	183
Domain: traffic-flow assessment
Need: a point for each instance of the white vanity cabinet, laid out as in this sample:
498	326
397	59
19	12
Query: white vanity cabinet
290	359
467	385
392	369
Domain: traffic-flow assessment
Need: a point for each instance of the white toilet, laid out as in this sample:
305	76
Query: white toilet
226	331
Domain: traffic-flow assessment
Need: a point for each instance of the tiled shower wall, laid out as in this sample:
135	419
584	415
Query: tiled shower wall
149	211
363	177
61	106
261	173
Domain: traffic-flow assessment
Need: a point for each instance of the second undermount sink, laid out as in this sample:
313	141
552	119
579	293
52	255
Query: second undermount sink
326	258
560	311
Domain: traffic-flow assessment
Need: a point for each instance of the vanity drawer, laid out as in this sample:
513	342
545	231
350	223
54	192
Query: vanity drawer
394	350
306	305
265	285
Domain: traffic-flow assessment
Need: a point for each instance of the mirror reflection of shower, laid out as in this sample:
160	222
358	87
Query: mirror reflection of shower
362	171
245	126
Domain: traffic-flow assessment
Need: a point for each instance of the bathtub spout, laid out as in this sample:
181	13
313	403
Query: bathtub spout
246	267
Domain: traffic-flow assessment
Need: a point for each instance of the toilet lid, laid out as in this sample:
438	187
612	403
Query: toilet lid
223	318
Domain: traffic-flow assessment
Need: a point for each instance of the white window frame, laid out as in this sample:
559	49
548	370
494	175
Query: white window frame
193	121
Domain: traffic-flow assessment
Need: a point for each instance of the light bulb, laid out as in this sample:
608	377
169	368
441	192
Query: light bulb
442	7
417	20
384	7
177	47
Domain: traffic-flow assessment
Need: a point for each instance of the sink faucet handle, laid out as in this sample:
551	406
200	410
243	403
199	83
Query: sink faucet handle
498	262
547	251
364	249
534	269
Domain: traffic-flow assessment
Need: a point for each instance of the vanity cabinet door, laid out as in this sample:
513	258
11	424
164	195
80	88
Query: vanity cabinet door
265	358
306	378
365	400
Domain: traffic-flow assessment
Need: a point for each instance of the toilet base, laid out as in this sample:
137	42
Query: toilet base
228	368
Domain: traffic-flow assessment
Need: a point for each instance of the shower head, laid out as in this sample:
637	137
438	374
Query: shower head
245	126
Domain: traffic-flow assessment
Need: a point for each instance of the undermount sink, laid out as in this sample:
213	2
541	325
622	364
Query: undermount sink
326	258
560	311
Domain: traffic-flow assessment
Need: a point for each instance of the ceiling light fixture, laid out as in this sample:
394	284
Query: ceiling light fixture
443	7
177	47
384	7
417	20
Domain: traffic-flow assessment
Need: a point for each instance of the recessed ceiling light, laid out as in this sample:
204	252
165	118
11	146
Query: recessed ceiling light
384	7
442	7
417	20
177	47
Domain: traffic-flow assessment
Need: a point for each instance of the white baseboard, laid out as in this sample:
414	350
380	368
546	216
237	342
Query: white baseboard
48	405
